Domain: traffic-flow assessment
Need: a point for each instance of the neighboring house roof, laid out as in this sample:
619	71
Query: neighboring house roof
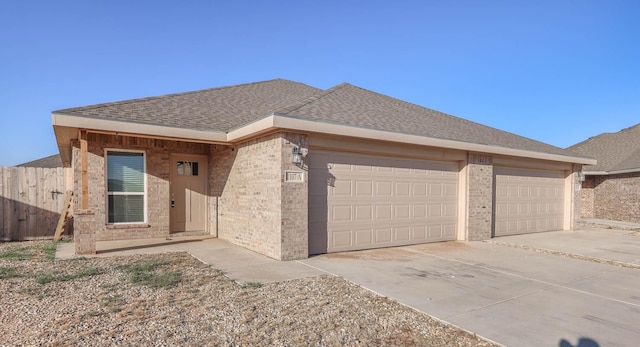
615	152
52	161
229	114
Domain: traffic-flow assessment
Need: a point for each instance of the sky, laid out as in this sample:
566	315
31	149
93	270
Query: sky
556	71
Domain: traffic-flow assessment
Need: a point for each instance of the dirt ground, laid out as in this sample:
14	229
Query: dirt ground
173	299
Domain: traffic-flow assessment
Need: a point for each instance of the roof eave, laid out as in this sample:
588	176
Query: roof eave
612	172
287	122
279	121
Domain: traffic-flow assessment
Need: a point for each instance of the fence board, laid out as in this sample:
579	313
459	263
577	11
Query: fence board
31	200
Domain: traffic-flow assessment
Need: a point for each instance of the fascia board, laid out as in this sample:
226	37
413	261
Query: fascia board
285	122
136	128
277	121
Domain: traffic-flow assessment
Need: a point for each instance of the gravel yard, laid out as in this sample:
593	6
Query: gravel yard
173	299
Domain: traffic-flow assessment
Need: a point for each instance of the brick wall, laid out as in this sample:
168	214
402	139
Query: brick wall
157	166
586	197
249	204
615	197
479	197
295	203
256	208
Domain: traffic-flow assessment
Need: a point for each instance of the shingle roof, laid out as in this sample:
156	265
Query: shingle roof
225	108
52	161
215	109
614	151
350	105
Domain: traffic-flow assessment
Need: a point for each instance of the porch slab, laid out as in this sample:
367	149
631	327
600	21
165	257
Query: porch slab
237	263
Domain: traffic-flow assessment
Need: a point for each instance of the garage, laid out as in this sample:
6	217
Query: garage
359	201
528	201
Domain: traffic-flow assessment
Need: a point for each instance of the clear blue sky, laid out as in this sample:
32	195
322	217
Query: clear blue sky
555	71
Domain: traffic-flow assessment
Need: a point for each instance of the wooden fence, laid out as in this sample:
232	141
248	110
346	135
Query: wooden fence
31	200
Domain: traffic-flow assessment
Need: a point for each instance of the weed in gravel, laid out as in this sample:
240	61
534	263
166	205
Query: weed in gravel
57	277
93	313
147	274
49	250
112	302
252	284
77	259
19	253
28	291
7	272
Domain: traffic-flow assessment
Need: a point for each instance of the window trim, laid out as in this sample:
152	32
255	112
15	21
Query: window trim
108	193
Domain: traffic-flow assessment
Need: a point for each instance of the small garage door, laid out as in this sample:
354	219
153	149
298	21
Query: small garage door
361	201
528	201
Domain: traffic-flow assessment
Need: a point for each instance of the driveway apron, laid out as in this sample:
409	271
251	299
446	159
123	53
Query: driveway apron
514	296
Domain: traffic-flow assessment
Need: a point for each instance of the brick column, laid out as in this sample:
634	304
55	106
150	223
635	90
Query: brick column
479	197
294	194
84	232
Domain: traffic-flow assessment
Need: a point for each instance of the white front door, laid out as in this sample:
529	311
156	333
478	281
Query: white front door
188	183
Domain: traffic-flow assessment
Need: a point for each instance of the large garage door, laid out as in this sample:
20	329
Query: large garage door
528	201
361	201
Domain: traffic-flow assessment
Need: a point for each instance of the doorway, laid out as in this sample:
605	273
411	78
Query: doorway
188	198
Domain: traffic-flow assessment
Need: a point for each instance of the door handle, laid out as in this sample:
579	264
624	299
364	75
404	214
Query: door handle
173	203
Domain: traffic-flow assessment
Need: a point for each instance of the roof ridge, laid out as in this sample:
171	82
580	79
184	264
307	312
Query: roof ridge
310	99
170	95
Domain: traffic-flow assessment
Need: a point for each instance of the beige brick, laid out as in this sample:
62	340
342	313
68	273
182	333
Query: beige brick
479	197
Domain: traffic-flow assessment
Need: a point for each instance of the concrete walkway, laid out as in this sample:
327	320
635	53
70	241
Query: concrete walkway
237	263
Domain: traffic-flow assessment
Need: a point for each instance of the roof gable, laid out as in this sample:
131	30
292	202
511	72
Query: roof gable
614	151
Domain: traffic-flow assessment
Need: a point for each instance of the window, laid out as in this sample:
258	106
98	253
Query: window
187	168
125	187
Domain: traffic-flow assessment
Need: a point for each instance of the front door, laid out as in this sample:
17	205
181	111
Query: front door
188	183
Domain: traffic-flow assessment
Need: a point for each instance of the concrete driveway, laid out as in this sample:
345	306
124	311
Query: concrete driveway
577	285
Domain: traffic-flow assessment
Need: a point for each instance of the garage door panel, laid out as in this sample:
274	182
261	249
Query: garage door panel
377	201
401	212
342	188
402	234
363	213
340	238
363	236
528	201
364	188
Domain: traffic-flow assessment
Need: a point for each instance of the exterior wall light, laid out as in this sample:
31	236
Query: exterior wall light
581	177
296	155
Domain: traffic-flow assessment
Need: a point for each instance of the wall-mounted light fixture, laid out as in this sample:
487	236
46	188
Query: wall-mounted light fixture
296	153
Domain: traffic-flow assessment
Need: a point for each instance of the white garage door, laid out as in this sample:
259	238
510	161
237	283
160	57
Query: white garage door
528	201
361	201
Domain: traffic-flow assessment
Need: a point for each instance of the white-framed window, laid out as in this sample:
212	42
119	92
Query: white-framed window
126	186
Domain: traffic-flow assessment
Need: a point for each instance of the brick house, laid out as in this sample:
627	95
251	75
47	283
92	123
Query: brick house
289	170
611	189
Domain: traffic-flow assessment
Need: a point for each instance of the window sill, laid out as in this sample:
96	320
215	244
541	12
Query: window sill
128	226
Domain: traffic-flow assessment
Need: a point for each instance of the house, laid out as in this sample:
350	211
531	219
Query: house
289	170
50	162
611	189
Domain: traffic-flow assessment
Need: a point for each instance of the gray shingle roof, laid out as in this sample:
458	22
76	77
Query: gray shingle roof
225	108
216	109
614	151
52	161
350	105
